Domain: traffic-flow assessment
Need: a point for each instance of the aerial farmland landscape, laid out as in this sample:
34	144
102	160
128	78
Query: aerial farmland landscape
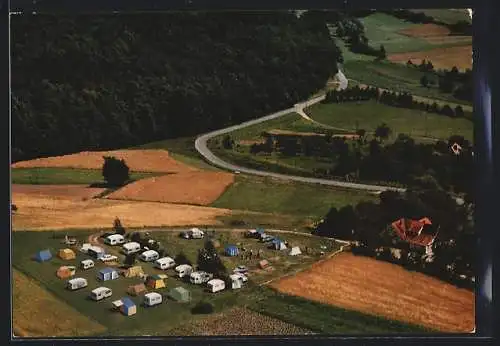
244	173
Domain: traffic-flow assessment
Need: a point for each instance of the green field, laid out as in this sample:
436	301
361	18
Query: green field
169	315
383	29
62	176
369	114
293	198
447	16
396	77
327	319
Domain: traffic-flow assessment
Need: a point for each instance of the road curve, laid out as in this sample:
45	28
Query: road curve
202	148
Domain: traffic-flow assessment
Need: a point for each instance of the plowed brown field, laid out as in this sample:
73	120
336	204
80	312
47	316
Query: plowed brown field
380	288
238	321
426	30
37	313
76	192
200	188
441	58
48	213
157	161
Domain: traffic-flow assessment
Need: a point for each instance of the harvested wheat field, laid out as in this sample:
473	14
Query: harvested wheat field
426	30
441	58
238	321
37	313
381	288
199	188
435	34
157	161
74	192
44	213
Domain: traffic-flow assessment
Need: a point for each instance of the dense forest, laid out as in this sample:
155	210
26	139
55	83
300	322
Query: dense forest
86	83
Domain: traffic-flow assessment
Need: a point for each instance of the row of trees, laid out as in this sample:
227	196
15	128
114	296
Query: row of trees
88	83
391	98
430	166
369	224
450	81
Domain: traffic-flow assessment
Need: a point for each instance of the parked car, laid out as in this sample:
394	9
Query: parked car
240	269
108	258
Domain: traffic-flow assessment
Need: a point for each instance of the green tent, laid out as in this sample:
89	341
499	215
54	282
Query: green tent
180	294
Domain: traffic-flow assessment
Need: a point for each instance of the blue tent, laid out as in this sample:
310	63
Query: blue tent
278	244
231	250
42	256
128	307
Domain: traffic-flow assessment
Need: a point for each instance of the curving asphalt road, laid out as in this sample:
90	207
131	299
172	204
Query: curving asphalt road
202	148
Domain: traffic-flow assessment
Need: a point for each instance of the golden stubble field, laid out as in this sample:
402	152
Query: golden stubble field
48	212
152	160
380	288
37	313
199	188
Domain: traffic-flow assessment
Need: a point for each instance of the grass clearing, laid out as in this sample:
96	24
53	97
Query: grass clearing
447	16
170	314
37	313
383	29
369	114
290	198
63	176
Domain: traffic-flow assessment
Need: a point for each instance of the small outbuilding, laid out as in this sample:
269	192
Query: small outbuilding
43	255
65	272
180	294
231	250
128	307
66	254
135	271
155	282
295	251
107	274
136	290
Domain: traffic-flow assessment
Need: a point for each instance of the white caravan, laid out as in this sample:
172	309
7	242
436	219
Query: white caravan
165	263
87	264
114	239
149	256
130	248
183	270
200	277
101	293
216	285
152	299
76	283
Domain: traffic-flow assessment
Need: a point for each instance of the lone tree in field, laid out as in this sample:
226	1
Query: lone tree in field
117	227
130	260
382	54
115	171
181	258
383	131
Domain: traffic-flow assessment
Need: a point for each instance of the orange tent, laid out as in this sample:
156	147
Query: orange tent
65	272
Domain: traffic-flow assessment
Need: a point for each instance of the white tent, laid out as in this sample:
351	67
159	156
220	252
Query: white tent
295	251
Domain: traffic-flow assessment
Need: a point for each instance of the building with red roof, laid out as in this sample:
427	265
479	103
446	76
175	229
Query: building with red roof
415	232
